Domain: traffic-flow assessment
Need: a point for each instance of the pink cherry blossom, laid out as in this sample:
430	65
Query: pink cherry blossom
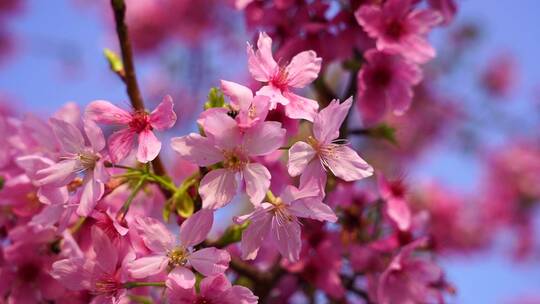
78	158
213	289
278	221
393	193
399	29
385	83
300	72
138	124
251	110
102	273
447	9
323	150
410	279
225	142
179	256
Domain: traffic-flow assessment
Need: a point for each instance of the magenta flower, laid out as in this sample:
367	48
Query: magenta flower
137	124
399	29
393	193
385	83
166	253
214	289
225	142
78	158
323	151
410	279
301	71
278	221
250	110
102	275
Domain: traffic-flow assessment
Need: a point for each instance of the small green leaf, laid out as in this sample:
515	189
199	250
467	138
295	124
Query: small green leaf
115	63
231	235
215	99
384	131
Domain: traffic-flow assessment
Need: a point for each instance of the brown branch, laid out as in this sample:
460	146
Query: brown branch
263	281
130	77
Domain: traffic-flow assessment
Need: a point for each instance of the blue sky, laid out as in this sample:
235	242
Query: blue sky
53	34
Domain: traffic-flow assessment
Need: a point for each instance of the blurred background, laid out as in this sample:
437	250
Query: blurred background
478	151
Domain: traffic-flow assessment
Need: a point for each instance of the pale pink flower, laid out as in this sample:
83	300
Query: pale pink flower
410	279
214	289
385	83
323	150
78	158
393	193
301	71
138	124
226	142
179	256
102	273
250	110
399	29
279	223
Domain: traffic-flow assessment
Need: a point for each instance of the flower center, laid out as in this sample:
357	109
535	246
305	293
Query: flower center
234	160
202	300
395	30
140	122
88	160
178	256
279	80
281	213
107	285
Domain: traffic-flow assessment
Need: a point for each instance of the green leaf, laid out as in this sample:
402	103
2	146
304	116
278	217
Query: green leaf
2	181
115	63
215	99
231	235
384	131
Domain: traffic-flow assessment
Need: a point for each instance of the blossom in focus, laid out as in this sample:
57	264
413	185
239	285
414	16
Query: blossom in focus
278	221
399	29
213	289
323	150
136	124
250	110
225	142
166	253
78	157
385	83
300	72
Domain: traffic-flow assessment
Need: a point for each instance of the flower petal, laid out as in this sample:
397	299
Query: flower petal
163	117
223	130
120	144
241	96
261	64
264	138
215	285
313	209
69	136
327	123
195	229
94	135
197	149
147	266
92	192
149	146
300	107
59	174
287	238
399	212
106	254
105	112
154	234
257	179
217	188
347	165
182	277
254	235
303	69
300	154
210	261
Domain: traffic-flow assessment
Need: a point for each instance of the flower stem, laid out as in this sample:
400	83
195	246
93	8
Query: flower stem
130	285
127	204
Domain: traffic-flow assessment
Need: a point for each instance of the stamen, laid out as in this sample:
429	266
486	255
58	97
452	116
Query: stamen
178	256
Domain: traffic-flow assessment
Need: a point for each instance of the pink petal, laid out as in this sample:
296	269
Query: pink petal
256	112
120	144
287	238
300	107
214	285
94	135
69	136
261	63
71	273
313	209
372	104
223	130
241	295
163	117
255	234
418	49
59	174
300	154
149	146
194	230
303	69
182	277
314	173
370	17
147	266
264	138
348	166
327	123
154	234
425	19
106	254
197	149
400	95
177	294
274	94
257	179
105	112
53	195
217	188
291	193
92	192
399	212
100	172
210	261
240	95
